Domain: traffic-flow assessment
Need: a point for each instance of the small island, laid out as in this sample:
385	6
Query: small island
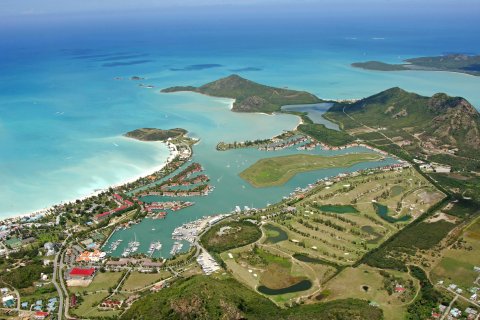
462	63
153	134
250	96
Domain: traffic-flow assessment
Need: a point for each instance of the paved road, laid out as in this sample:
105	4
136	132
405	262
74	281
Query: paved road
55	283
447	311
60	286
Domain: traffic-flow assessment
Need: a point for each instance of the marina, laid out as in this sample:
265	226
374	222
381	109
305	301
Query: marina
231	194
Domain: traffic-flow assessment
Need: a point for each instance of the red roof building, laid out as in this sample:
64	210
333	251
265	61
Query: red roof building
399	288
82	272
40	315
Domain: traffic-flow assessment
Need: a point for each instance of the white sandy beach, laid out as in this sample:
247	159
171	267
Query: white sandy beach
96	191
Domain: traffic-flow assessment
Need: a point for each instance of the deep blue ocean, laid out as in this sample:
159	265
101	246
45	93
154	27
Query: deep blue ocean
62	113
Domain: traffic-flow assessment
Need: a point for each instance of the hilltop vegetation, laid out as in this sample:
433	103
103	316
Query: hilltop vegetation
230	234
250	96
469	64
202	297
152	134
399	121
323	134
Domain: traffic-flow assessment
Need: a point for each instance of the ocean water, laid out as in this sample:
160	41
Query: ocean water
62	113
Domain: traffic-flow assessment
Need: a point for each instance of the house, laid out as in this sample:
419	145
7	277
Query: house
455	313
111	304
73	300
8	301
40	315
452	286
399	288
471	311
81	273
49	248
436	315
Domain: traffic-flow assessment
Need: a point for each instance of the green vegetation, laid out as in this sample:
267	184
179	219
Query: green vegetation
469	64
323	134
367	283
23	277
338	208
230	234
278	170
102	281
250	96
152	134
465	185
414	125
274	234
137	280
458	261
344	238
428	298
204	297
421	236
380	66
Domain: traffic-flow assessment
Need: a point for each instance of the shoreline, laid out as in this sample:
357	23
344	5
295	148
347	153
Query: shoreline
49	210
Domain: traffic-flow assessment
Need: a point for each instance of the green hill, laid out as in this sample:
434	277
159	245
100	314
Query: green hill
202	297
250	96
152	134
439	127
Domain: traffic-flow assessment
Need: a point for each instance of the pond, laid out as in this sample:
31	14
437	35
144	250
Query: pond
396	190
338	208
371	231
299	286
275	234
382	212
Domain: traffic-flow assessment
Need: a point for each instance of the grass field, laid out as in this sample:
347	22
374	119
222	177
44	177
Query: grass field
367	283
344	236
265	266
278	170
456	265
137	280
89	304
102	281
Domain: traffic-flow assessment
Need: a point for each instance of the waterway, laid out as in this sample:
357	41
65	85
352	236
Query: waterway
223	168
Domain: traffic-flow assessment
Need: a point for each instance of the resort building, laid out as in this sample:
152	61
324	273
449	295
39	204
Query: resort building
91	256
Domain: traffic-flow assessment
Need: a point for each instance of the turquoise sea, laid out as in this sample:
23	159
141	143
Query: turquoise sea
62	113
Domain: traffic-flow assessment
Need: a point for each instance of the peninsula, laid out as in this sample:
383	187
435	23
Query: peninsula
250	96
277	171
462	63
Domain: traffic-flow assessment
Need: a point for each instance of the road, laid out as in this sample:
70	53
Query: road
60	285
447	311
56	273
